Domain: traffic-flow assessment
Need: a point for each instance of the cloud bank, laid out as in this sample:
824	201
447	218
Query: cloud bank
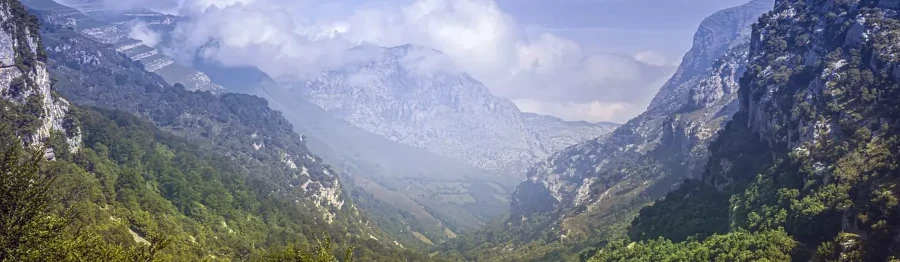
545	73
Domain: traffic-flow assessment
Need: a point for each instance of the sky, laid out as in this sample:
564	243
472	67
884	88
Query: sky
592	60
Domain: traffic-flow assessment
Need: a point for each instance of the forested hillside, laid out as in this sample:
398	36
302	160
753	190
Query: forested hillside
244	127
807	169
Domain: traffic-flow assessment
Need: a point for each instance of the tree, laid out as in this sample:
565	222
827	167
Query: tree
26	228
321	253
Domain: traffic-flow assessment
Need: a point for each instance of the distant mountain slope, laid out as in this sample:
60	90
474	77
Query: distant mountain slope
113	28
414	96
557	134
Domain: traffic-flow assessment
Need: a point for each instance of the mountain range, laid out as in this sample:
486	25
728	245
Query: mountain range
775	140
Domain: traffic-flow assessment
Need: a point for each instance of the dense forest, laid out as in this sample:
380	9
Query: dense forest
134	191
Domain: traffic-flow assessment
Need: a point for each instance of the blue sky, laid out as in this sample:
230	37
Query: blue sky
621	26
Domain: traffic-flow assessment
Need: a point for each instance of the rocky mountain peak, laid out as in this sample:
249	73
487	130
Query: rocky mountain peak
716	35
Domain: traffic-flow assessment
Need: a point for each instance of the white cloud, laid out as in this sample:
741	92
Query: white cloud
651	57
298	38
140	31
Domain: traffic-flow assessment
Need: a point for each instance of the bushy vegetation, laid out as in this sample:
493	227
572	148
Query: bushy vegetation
737	246
692	211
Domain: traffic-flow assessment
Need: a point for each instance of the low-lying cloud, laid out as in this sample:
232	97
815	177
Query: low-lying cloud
292	39
141	31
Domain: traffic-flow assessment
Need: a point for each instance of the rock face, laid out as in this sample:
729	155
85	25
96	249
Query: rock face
825	87
649	155
413	95
813	148
24	79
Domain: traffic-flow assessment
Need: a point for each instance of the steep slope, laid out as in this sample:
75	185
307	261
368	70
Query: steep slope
25	82
413	95
813	150
586	194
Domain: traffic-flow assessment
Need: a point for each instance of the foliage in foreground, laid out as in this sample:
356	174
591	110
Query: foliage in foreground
773	246
120	202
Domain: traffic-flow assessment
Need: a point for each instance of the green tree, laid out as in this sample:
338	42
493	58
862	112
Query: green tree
26	228
323	252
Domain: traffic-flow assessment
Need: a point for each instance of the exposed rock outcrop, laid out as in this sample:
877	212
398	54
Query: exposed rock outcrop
25	82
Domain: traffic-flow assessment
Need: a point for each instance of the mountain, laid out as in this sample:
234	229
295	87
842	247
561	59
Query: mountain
413	95
585	195
809	160
113	27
